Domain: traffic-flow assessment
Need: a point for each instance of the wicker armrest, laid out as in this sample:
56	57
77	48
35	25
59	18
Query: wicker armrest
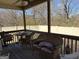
46	50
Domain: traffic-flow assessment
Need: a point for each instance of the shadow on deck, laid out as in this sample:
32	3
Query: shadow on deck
19	52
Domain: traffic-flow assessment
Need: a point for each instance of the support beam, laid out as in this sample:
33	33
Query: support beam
49	16
24	19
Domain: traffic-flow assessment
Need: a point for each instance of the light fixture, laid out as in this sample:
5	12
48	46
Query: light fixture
22	3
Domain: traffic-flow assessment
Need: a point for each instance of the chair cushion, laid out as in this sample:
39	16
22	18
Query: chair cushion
45	44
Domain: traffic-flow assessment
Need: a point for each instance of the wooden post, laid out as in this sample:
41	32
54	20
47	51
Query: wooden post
24	19
49	16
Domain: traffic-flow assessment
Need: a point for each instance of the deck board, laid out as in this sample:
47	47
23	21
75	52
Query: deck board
18	52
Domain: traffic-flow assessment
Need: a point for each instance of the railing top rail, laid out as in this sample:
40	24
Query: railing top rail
62	35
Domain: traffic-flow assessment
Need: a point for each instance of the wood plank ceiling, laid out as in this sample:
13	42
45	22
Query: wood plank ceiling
10	4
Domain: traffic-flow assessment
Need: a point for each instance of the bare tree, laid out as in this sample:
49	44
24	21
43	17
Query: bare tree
13	17
40	11
1	21
34	15
64	8
67	8
8	18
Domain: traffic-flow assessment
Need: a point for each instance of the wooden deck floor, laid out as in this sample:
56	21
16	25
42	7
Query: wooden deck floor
18	52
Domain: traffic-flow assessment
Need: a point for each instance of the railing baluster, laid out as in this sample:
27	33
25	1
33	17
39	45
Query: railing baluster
75	45
67	41
14	38
71	46
64	44
62	47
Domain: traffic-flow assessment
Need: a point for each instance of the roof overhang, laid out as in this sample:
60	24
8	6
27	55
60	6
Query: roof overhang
10	4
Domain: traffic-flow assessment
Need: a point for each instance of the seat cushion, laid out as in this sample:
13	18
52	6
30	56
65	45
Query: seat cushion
45	44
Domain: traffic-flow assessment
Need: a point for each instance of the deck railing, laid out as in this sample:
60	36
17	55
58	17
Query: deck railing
14	36
72	41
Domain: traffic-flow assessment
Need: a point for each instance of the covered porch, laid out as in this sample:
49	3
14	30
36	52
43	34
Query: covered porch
20	42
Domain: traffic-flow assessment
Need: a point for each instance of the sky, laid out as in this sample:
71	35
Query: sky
74	5
29	12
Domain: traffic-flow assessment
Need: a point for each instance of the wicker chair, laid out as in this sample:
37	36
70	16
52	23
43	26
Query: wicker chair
54	40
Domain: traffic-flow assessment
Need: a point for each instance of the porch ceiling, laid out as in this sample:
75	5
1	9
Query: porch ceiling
10	4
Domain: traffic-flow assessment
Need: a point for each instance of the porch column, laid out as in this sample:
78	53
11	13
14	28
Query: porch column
49	16
24	19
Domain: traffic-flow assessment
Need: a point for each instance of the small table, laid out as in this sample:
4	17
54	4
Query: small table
24	37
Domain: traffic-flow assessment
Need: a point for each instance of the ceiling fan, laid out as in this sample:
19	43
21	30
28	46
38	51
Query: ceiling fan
22	2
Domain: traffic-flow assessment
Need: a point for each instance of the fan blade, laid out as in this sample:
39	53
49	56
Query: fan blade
17	1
